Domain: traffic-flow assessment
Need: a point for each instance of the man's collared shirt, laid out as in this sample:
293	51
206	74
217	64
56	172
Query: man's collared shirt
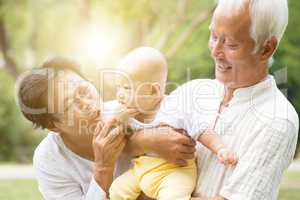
259	124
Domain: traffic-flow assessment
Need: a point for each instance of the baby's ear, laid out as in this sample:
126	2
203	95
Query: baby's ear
155	89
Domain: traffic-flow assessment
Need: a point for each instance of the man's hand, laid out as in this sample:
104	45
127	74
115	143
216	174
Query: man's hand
164	141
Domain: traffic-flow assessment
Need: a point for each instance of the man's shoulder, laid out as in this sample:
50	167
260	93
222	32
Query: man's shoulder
277	110
285	110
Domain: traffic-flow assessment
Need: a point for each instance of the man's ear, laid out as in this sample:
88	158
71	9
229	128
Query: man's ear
269	48
155	89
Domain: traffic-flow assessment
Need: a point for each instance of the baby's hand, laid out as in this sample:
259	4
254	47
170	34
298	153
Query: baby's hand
124	113
227	157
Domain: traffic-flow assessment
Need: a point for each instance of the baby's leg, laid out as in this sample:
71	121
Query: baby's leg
125	187
170	182
179	184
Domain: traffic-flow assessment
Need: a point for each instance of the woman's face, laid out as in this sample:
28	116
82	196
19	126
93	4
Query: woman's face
80	104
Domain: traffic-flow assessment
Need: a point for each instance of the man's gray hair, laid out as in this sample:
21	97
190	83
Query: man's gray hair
268	18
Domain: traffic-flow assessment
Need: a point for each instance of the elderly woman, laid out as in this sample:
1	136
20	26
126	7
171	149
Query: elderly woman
77	158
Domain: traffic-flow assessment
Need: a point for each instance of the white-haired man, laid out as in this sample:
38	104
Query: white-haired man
243	104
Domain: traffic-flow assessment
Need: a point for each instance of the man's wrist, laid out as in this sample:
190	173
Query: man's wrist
142	142
149	141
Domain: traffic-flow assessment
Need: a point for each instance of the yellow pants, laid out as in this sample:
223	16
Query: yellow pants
157	178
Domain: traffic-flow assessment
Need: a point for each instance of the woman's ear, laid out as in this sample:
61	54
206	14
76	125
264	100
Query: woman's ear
56	126
269	48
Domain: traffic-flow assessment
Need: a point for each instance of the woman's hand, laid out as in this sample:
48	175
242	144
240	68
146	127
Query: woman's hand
108	144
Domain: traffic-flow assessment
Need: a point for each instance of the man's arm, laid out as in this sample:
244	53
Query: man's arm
164	141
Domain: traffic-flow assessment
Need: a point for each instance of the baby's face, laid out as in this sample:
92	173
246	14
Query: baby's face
133	93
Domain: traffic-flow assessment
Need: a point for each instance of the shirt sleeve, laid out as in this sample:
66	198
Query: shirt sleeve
55	183
259	171
95	192
178	110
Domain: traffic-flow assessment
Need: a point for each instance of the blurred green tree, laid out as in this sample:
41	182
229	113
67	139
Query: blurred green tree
33	30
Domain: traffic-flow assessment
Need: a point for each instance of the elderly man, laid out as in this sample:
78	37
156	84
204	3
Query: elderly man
243	104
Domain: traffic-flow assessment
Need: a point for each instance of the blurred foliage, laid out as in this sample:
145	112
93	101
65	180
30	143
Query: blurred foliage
34	30
17	139
287	60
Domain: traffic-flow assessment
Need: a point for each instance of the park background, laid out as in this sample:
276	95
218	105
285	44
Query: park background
97	33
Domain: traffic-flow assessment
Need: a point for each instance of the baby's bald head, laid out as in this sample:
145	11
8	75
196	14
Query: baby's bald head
143	87
146	64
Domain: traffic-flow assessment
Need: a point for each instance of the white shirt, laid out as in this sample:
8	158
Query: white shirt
63	175
259	124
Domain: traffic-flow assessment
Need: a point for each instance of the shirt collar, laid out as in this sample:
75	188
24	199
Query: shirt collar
246	93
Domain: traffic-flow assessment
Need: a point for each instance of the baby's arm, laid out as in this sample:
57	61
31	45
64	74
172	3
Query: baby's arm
213	142
119	119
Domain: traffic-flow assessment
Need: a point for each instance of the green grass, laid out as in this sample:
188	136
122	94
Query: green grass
289	194
290	187
27	189
19	189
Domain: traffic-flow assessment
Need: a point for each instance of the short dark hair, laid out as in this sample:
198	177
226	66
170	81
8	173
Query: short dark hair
33	90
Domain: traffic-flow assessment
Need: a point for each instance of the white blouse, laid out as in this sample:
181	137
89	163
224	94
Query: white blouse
63	175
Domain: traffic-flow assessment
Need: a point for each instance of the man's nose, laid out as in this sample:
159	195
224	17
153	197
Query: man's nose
217	50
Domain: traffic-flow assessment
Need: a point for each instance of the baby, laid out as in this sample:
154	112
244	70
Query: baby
143	89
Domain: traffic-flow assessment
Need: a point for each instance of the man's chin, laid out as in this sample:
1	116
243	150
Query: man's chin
221	78
224	80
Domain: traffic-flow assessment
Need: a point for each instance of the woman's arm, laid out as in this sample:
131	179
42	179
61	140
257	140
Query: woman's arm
108	145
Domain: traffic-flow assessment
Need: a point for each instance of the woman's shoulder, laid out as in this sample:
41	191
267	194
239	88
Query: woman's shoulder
48	146
49	152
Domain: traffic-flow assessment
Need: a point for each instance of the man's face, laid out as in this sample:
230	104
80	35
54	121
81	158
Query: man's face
80	102
231	46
